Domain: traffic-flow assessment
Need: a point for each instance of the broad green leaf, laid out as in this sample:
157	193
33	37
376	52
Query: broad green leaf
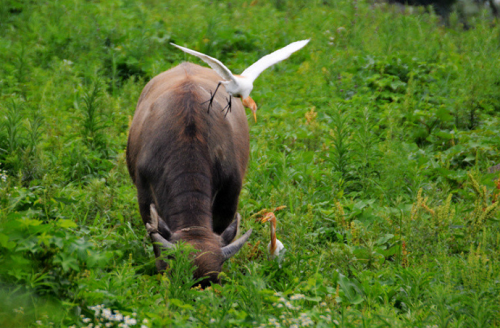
64	223
5	242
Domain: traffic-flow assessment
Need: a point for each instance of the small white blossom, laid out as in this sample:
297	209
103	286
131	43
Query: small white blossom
106	313
130	321
297	297
20	310
326	318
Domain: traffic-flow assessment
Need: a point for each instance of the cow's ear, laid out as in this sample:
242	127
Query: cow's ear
231	231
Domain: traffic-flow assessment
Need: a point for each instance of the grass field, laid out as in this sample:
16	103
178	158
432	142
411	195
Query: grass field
377	137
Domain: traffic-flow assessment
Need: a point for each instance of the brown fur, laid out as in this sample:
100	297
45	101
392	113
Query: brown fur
188	162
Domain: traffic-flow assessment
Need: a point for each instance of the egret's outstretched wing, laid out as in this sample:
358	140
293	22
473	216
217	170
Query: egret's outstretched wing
217	66
259	66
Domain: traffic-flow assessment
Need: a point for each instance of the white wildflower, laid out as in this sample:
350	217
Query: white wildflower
20	310
106	313
297	297
130	321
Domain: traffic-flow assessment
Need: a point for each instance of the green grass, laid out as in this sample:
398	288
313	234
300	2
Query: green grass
377	137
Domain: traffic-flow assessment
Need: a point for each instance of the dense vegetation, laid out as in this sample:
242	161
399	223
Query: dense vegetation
377	137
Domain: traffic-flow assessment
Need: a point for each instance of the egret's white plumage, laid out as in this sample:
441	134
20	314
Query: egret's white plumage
259	66
278	248
242	85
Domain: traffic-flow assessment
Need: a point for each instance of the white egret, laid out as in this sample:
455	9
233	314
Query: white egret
275	246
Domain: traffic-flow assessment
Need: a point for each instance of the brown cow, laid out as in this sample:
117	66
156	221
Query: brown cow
188	166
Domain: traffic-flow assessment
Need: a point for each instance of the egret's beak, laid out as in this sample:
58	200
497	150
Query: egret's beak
250	103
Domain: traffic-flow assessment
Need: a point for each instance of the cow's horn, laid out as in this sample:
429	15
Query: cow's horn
152	229
157	238
231	249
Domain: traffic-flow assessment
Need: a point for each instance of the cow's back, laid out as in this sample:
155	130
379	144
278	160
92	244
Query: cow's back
172	134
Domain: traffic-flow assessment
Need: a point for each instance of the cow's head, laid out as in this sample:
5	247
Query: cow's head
212	249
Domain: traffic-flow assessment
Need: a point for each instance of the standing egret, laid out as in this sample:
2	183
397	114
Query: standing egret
275	246
242	85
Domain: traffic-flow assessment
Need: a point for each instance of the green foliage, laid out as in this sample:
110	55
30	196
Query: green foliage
93	124
377	137
44	256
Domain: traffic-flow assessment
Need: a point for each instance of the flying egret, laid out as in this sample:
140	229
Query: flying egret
242	85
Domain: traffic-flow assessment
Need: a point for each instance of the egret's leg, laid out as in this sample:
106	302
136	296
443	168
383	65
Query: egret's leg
228	106
212	96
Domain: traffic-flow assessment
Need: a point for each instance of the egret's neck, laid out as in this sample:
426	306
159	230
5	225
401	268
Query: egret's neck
273	235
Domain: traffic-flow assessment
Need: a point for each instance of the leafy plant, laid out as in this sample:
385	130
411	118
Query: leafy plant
93	122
